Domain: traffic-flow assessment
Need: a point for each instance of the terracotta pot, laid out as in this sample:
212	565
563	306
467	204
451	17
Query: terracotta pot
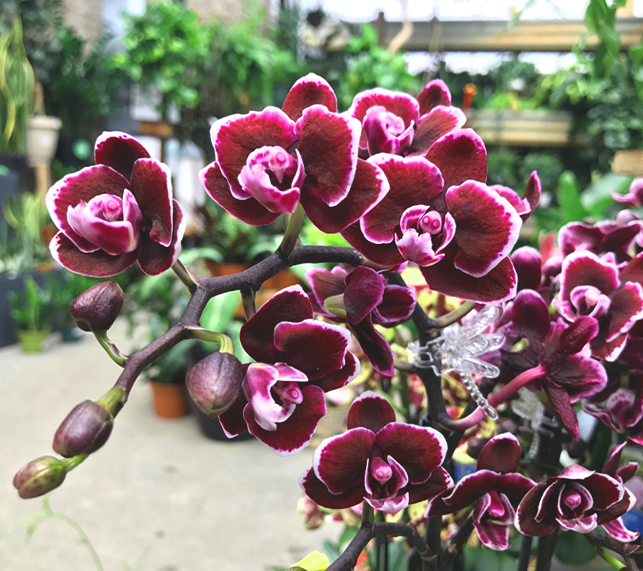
217	269
283	279
170	400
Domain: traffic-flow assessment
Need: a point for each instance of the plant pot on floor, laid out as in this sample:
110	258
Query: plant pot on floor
170	399
211	427
33	341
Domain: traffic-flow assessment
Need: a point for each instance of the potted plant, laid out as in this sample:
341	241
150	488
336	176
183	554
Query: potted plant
16	95
153	303
31	311
22	252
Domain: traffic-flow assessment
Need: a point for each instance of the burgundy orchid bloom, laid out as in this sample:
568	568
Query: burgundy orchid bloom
461	237
557	355
396	123
367	299
495	487
590	286
635	195
116	212
623	413
608	236
298	359
268	162
386	463
580	500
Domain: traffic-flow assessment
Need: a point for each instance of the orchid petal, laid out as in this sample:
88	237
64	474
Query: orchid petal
340	461
97	264
370	410
328	146
434	93
488	227
79	187
119	151
419	449
307	91
435	124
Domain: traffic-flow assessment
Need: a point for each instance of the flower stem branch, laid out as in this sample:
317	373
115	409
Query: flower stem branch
497	398
206	289
454	547
348	559
368	515
110	348
546	545
453	316
184	275
625	550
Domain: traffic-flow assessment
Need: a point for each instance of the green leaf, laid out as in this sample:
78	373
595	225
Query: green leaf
573	549
569	198
331	549
487	560
597	197
347	535
220	311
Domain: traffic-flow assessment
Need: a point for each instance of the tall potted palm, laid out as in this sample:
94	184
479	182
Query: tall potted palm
16	102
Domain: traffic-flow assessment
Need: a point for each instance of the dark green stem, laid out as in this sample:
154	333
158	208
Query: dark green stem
184	275
110	348
289	241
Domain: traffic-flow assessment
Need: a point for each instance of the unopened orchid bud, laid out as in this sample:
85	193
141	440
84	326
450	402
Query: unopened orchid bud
40	476
97	308
215	382
85	429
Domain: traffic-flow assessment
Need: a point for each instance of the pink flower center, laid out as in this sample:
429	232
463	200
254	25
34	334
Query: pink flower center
110	222
380	470
274	161
288	392
273	177
431	222
106	207
386	132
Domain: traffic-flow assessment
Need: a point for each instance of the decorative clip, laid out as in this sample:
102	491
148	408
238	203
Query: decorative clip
456	350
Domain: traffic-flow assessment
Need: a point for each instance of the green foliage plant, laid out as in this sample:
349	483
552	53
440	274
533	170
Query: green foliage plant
22	247
82	85
16	90
167	47
603	88
370	65
32	308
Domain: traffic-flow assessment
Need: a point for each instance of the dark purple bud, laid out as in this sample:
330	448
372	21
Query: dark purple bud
85	429
97	308
215	382
38	477
576	448
475	446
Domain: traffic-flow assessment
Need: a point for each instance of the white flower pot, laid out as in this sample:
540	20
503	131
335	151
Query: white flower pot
42	139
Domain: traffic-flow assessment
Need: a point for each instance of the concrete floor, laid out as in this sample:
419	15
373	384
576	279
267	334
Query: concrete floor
158	497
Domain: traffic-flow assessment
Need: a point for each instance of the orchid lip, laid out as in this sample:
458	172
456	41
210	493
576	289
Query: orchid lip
109	222
273	177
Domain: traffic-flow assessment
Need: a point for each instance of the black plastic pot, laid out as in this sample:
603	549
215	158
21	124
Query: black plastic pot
15	180
211	427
